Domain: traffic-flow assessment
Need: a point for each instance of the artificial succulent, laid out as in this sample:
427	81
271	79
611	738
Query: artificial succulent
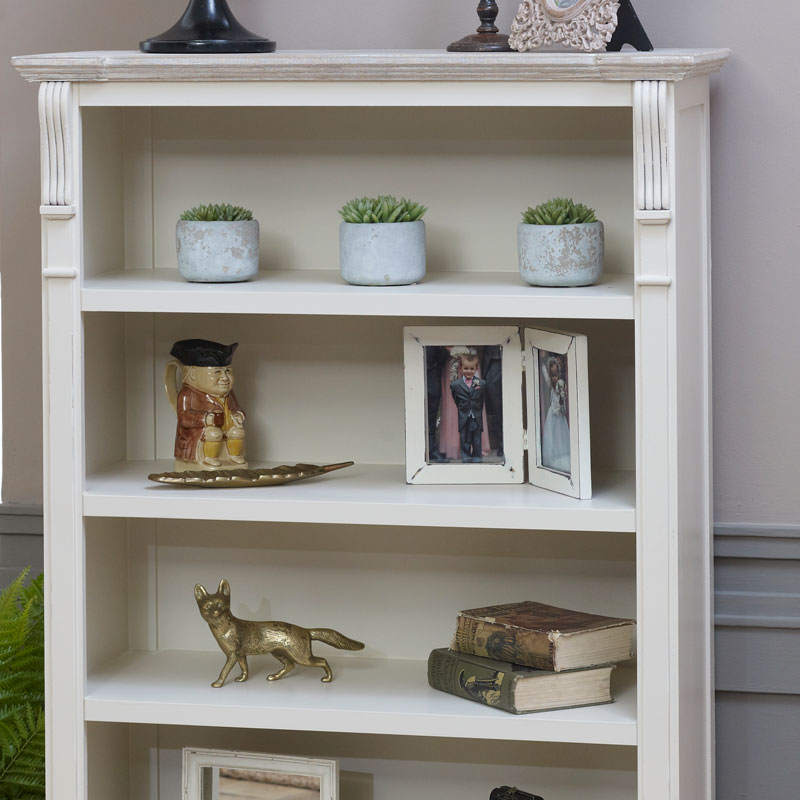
384	208
217	212
559	211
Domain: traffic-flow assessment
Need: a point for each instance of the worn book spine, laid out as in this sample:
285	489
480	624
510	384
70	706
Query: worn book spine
450	673
478	637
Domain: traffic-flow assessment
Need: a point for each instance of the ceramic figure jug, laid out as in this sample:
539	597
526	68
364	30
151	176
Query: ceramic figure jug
199	385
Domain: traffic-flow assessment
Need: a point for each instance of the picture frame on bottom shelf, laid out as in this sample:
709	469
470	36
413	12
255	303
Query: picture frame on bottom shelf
463	405
559	450
208	773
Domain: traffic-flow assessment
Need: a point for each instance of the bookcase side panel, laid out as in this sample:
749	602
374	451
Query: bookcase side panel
654	268
693	499
673	373
65	668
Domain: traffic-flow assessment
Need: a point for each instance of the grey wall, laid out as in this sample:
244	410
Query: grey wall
39	26
755	175
755	172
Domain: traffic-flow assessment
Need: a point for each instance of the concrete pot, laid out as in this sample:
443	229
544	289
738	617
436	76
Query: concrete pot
217	252
382	254
561	255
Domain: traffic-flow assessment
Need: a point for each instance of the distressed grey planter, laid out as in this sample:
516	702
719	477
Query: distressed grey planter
382	254
217	252
561	255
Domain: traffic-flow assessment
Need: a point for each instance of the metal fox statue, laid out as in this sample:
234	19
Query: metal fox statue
239	638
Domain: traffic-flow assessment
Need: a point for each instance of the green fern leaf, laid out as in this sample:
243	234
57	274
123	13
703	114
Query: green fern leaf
22	741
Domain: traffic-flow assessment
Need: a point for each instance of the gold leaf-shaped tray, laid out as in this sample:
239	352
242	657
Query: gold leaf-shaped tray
242	478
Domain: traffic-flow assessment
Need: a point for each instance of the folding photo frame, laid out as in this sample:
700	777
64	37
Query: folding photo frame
559	450
464	415
432	355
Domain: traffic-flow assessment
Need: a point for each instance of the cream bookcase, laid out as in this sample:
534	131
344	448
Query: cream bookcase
129	141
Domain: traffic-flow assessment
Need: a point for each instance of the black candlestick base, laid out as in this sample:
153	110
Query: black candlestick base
487	39
481	43
207	26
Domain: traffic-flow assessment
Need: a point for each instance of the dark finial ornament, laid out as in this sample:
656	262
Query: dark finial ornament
208	26
487	39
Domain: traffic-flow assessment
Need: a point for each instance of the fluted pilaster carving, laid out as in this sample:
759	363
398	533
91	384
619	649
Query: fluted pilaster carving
55	108
652	154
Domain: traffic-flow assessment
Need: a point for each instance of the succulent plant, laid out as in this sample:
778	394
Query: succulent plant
559	211
385	208
224	212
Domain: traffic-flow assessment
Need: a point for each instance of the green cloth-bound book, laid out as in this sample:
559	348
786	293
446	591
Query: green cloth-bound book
515	688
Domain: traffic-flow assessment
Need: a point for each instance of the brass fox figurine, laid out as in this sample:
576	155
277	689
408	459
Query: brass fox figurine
239	638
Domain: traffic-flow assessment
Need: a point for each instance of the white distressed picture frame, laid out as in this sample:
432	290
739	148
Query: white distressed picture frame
418	470
586	25
574	347
194	761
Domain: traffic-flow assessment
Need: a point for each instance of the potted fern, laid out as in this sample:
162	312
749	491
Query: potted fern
217	244
560	244
382	241
22	772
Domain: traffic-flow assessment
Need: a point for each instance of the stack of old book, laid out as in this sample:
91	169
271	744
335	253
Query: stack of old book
523	657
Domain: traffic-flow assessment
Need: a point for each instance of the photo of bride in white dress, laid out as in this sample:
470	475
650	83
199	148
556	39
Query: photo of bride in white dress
554	412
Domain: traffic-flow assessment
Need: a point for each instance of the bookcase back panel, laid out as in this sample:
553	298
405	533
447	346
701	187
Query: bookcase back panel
315	389
296	167
398	590
400	767
139	762
111	770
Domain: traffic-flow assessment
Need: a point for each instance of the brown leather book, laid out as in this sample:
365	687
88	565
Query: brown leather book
544	637
514	688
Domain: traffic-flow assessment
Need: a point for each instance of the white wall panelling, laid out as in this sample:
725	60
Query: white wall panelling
20	541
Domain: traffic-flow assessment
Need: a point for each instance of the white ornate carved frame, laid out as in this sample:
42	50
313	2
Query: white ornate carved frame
586	25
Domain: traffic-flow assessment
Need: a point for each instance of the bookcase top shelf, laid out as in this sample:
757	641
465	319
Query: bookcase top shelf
323	292
371	65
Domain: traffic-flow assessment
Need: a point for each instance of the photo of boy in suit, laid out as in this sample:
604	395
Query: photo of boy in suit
469	396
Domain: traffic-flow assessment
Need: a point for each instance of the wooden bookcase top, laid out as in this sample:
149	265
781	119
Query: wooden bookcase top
371	65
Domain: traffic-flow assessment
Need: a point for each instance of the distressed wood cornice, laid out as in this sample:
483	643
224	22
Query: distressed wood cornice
371	65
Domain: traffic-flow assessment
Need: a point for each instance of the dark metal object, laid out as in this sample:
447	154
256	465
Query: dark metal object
487	39
512	793
208	26
629	30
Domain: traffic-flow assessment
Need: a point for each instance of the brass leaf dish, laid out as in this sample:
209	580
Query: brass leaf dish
243	478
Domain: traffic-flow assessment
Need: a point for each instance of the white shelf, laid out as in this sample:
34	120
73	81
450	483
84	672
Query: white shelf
323	292
366	494
367	696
